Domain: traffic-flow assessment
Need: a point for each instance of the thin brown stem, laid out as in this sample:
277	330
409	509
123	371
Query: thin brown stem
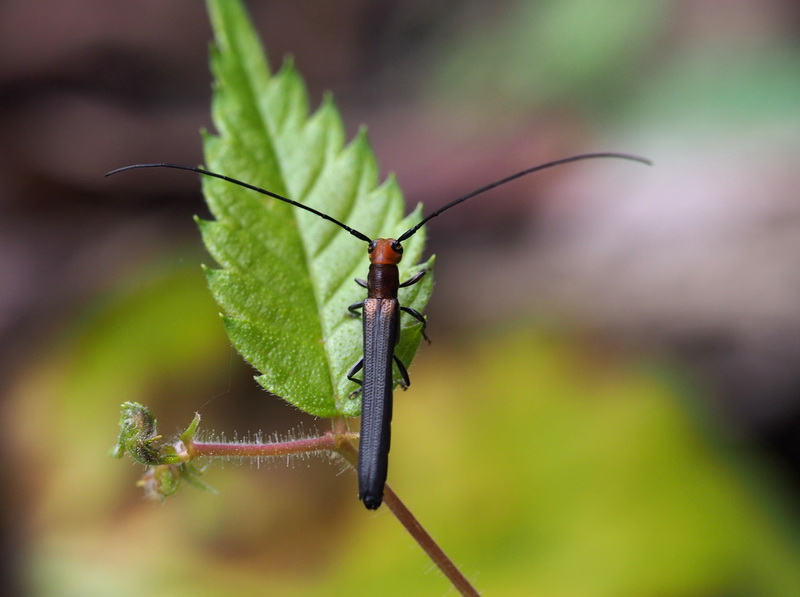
417	531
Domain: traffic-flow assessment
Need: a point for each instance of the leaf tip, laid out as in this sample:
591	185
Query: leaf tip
361	144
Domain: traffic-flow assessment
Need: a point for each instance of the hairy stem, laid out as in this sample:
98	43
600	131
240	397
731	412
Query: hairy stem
328	441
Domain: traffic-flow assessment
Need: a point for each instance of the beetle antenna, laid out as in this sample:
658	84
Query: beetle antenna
502	181
356	233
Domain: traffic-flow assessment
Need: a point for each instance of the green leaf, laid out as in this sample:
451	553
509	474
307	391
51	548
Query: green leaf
286	276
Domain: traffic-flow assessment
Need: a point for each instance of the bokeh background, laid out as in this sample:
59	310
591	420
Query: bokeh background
611	404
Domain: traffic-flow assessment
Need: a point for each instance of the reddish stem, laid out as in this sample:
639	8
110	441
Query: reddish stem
416	530
328	441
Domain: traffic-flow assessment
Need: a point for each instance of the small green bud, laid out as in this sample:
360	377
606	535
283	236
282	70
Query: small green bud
137	432
161	481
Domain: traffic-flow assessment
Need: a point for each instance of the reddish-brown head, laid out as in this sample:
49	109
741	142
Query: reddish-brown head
385	251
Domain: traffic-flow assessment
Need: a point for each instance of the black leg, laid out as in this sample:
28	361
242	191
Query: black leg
355	307
413	279
403	372
351	376
419	317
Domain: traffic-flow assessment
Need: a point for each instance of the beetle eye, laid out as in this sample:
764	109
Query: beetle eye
397	246
372	245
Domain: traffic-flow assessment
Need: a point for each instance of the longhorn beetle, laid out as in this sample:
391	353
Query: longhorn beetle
381	322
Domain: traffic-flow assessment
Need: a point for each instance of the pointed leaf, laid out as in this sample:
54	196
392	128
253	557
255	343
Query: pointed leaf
286	276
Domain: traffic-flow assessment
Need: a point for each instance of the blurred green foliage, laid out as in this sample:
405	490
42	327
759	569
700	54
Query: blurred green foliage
542	465
583	54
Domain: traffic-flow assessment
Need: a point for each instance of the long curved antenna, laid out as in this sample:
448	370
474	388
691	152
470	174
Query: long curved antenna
502	181
356	233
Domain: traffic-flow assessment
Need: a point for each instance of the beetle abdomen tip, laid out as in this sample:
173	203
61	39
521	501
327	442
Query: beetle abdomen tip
372	502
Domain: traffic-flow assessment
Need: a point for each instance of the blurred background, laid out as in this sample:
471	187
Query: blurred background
611	403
